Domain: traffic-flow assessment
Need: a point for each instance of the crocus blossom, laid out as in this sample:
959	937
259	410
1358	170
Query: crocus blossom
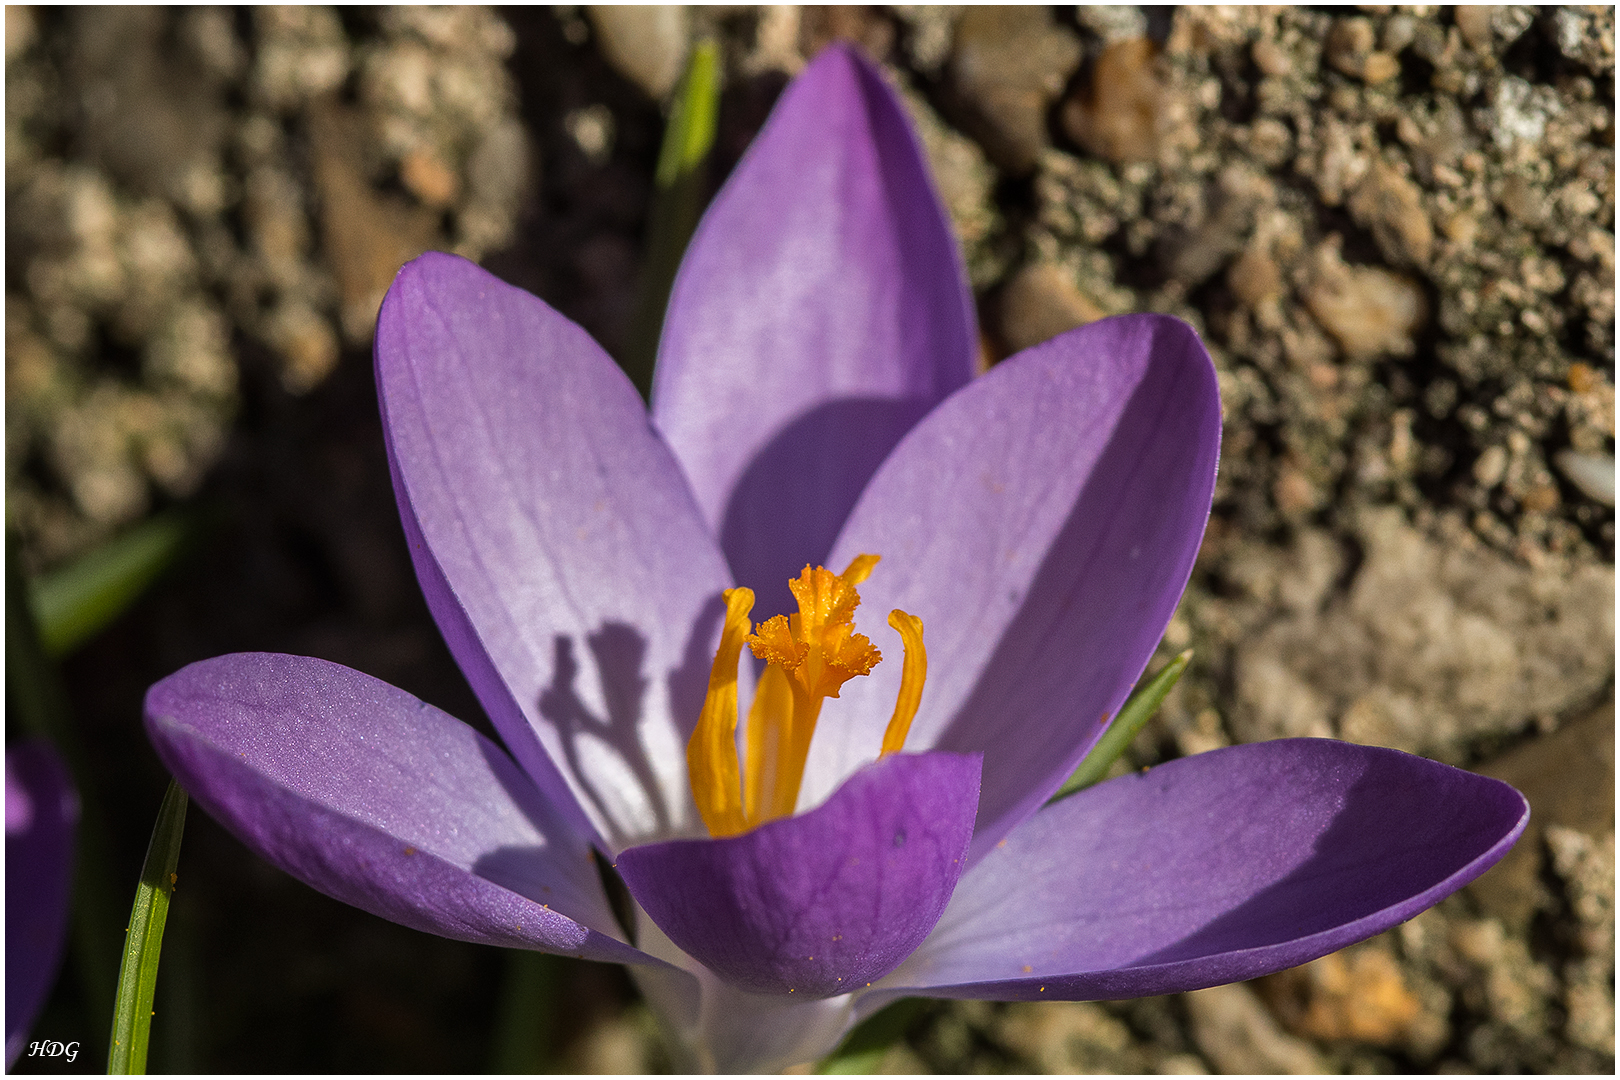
42	812
593	569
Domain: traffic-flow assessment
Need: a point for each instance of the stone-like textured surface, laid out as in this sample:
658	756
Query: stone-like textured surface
1237	1034
1568	776
1008	64
1432	646
646	43
1393	226
1041	302
177	177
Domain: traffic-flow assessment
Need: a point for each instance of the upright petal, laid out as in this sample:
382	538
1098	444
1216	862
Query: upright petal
556	540
382	801
42	810
820	311
1042	524
1210	869
826	902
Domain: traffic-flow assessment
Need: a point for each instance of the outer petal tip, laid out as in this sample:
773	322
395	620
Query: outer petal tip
821	309
1212	869
826	902
379	800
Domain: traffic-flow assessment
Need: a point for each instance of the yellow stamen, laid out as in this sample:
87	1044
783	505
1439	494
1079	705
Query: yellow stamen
859	568
808	658
912	674
711	754
770	721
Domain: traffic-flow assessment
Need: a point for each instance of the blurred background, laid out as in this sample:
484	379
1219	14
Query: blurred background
1392	225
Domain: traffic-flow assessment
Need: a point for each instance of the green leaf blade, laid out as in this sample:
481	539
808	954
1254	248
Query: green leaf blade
143	943
679	195
694	117
1139	709
78	601
861	1053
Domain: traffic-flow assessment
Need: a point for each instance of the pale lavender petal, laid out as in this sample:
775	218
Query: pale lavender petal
1042	524
42	811
556	541
1211	869
821	310
825	902
382	801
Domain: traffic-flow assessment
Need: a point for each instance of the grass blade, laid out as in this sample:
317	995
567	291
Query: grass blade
1143	703
137	980
680	192
862	1051
525	1034
73	604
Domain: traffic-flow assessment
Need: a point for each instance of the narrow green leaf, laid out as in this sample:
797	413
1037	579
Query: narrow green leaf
524	1026
74	603
693	117
862	1051
143	942
1143	703
34	694
679	195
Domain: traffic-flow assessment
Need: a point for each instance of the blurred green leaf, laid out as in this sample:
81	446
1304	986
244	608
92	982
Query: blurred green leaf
143	942
693	118
862	1051
1142	704
524	1028
678	199
74	603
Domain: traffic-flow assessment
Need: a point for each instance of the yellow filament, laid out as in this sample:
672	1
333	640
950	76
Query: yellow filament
711	754
809	656
912	673
769	720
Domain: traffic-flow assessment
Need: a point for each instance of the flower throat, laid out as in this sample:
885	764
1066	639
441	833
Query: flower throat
809	656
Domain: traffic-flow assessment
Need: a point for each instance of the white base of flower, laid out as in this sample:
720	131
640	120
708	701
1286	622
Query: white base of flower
714	1027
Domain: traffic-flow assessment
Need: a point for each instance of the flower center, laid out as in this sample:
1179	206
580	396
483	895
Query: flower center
809	656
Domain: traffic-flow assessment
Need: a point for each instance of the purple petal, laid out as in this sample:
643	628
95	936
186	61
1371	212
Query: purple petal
556	541
820	311
1214	868
829	900
42	811
382	801
1042	524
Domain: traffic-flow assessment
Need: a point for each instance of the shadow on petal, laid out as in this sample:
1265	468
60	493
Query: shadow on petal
1391	851
1095	609
793	497
619	769
1212	869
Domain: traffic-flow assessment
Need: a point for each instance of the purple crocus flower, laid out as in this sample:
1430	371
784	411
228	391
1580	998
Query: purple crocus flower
42	811
813	406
